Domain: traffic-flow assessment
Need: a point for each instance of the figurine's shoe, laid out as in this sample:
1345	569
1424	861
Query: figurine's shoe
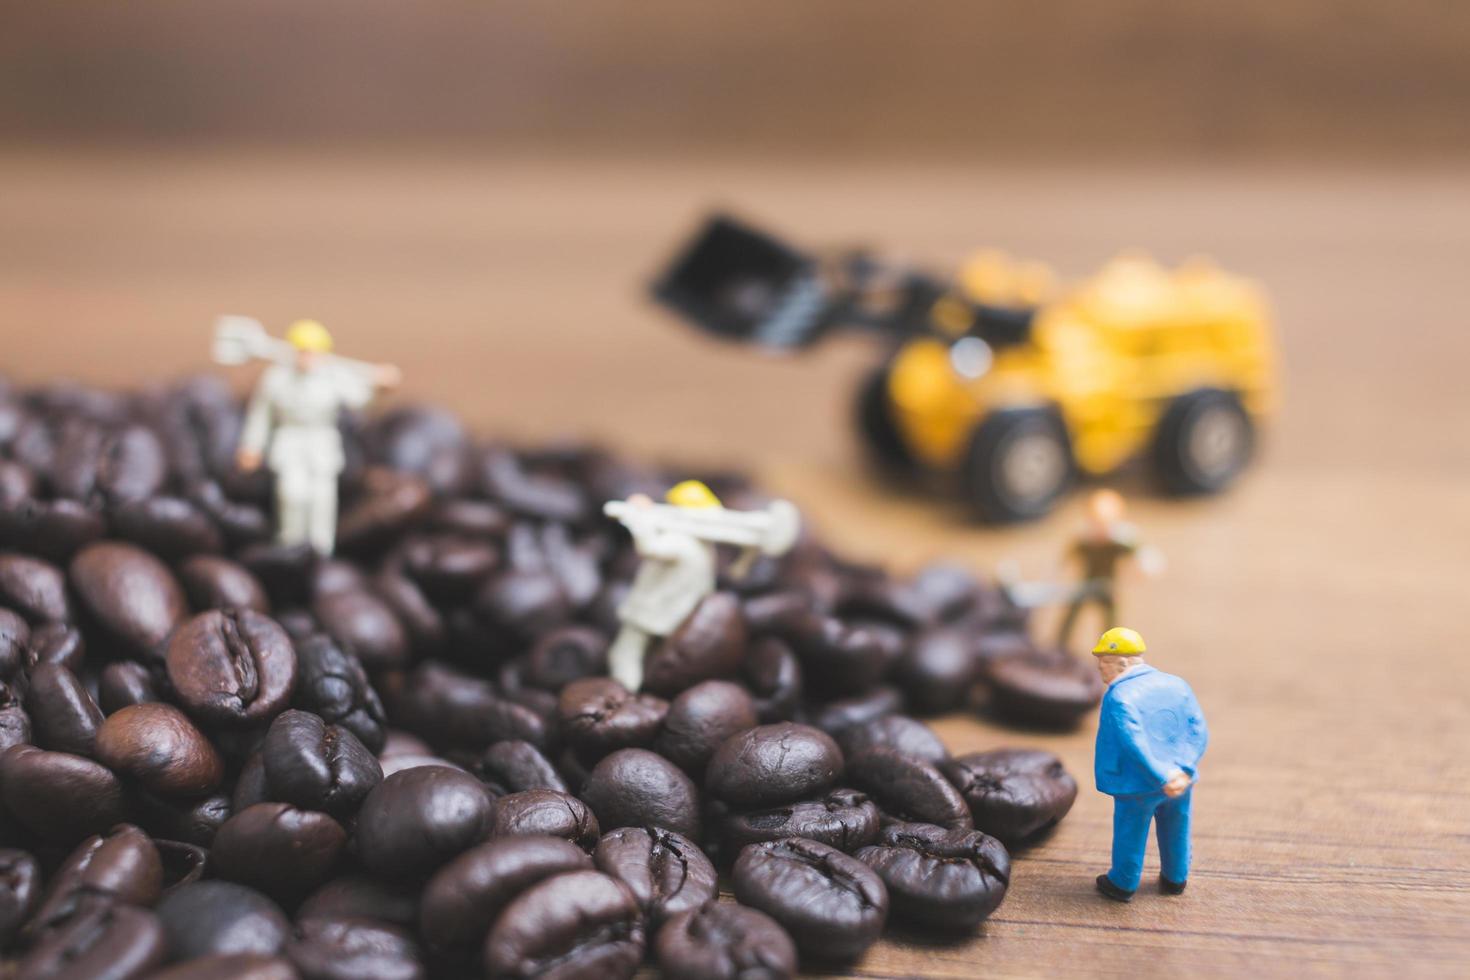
1110	890
1171	887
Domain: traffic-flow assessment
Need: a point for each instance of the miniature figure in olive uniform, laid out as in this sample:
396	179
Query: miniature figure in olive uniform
1105	543
291	425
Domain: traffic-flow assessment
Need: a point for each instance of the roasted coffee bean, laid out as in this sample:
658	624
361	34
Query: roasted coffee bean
725	942
170	527
57	643
126	464
285	570
833	905
317	766
528	494
638	788
332	683
699	720
157	745
364	626
940	878
845	819
465	897
579	924
523	604
212	582
351	949
1047	688
242	523
191	821
99	941
838	659
907	789
901	733
15	637
124	683
836	717
415	820
64	718
666	872
221	918
773	674
232	667
238	966
513	766
275	847
15	724
183	863
545	812
20	891
938	670
130	593
449	567
250	785
50	529
423	624
709	643
58	796
123	865
598	716
359	896
468	517
1014	794
457	710
390	503
34	588
565	655
332	575
422	440
942	593
772	765
17	483
401	763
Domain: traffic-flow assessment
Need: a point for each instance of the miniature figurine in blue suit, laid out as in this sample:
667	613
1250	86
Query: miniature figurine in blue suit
1150	737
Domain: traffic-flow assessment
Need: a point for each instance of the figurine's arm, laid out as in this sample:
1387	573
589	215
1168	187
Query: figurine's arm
257	427
653	543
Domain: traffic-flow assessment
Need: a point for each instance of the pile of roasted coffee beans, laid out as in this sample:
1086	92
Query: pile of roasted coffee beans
220	757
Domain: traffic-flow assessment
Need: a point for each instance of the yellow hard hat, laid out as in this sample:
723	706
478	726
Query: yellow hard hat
693	494
308	335
1120	641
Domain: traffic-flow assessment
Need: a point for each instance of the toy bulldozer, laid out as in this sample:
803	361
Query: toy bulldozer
1015	387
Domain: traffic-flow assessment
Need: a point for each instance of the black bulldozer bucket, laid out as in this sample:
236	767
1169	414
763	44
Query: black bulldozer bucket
742	284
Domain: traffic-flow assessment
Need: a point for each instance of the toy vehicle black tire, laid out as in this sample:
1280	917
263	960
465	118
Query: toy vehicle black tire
874	417
1204	440
1019	465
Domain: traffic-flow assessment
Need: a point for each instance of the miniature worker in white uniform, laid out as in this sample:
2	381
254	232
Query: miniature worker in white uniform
291	424
677	572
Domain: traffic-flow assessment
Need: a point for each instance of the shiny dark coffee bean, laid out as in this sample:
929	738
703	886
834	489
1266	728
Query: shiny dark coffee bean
317	766
232	667
286	571
238	966
545	812
129	463
58	796
191	821
833	905
20	892
845	819
428	442
130	593
532	495
907	789
275	847
565	655
220	918
469	517
1014	794
523	604
50	529
939	878
938	670
15	724
64	718
579	924
838	659
158	746
57	643
700	719
332	683
725	942
123	865
402	763
34	588
124	683
773	675
462	711
772	765
101	941
364	626
15	637
170	527
212	582
351	949
512	766
465	897
836	717
183	863
423	624
1046	688
710	643
903	734
449	567
638	788
598	716
415	820
942	593
333	575
242	523
666	872
360	896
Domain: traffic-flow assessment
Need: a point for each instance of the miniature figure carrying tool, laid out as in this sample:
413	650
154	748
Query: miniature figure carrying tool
677	544
1106	542
291	421
1150	737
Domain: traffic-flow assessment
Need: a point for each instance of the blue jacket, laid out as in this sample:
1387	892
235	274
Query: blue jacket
1150	726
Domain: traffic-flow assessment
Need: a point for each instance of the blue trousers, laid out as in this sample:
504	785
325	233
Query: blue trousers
1131	817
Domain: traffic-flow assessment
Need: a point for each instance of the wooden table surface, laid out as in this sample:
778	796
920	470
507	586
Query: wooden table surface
1318	611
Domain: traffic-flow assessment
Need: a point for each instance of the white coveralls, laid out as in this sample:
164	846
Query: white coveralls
294	411
677	572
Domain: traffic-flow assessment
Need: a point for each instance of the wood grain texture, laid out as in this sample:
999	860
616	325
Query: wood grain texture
1319	611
